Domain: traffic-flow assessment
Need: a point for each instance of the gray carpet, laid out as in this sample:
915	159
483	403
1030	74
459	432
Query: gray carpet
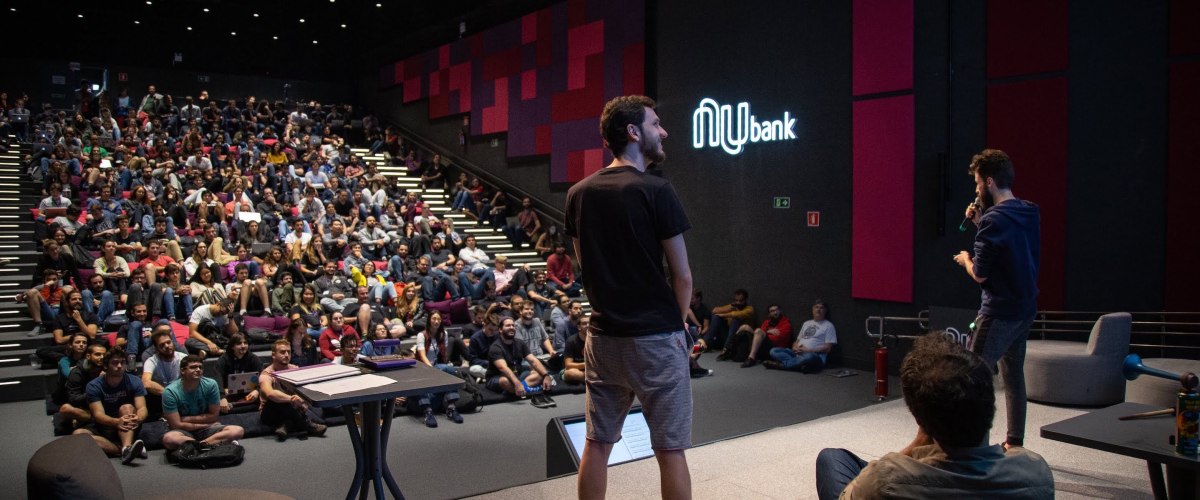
501	447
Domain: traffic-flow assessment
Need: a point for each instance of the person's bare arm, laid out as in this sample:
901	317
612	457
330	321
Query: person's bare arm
507	373
98	415
681	274
152	387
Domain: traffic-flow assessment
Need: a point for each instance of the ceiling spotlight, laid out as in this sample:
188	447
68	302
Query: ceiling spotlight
233	33
189	28
274	38
314	42
343	25
135	21
14	9
81	16
379	5
206	9
302	19
148	2
255	14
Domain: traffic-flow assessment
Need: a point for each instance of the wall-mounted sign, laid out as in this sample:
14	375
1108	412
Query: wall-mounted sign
716	124
814	219
58	80
783	202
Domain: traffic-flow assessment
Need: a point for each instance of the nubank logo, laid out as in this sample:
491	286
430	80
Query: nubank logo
716	125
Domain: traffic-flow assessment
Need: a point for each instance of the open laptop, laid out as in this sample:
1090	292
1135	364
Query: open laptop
239	385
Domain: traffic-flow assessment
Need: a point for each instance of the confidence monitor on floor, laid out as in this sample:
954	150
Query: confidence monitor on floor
565	437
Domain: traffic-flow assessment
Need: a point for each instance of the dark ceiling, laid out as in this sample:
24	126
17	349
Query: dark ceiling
230	38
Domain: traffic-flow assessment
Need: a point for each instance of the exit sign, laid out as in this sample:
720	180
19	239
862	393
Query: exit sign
783	202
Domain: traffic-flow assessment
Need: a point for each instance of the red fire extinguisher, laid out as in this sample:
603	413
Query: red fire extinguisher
881	370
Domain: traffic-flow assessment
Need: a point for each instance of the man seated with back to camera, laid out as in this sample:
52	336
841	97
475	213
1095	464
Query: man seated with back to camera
950	394
725	321
191	406
507	373
810	351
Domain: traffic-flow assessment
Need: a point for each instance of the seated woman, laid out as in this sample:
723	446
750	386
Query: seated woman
200	259
434	349
331	338
205	289
310	311
304	346
410	310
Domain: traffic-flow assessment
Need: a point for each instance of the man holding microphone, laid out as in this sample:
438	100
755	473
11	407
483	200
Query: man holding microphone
1005	264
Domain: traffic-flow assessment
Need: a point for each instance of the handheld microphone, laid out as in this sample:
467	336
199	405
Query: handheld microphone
974	207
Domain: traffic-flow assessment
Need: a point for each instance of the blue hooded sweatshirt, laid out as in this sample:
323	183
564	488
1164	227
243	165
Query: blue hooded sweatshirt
1008	254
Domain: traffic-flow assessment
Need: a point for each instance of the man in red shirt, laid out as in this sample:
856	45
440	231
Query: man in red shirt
155	262
561	271
777	330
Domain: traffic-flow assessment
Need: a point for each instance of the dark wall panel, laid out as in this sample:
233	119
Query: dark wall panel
1026	37
1028	120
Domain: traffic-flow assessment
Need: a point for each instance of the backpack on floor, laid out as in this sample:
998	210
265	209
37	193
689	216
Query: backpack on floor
470	396
191	455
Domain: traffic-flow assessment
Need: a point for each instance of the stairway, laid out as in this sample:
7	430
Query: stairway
19	380
491	240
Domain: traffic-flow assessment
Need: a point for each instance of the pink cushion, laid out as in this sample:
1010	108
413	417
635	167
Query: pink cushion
456	310
269	323
181	331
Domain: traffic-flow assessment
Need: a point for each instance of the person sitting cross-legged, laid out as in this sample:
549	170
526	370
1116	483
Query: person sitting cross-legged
950	393
748	344
279	408
191	406
505	372
117	401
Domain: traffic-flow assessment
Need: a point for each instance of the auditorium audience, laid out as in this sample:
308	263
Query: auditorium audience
810	351
284	411
191	406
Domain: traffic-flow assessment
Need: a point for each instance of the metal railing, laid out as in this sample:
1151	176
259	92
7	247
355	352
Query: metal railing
1161	334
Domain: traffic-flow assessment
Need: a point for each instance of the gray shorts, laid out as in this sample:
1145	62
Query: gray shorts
201	434
654	368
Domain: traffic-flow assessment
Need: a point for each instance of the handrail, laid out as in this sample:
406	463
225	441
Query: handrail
555	214
1174	335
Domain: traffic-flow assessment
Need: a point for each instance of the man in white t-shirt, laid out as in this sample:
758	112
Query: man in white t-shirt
162	368
814	341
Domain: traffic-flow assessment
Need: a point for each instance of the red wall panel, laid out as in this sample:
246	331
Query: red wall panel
882	219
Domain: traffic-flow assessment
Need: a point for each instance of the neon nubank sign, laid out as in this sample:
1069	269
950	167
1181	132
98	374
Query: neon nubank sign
718	125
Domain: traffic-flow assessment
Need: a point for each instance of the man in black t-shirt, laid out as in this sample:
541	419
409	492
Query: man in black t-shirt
505	372
73	319
624	222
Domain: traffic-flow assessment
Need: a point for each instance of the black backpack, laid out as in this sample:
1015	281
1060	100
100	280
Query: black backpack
470	396
192	455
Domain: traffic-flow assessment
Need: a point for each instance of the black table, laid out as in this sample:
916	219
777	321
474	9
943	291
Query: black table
1140	438
378	403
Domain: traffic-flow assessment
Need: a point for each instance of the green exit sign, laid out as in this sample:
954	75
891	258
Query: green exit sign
783	202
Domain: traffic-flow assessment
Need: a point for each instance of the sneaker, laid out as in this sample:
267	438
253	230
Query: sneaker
724	356
315	429
281	433
549	401
138	450
772	365
749	362
701	372
126	455
452	414
235	443
430	420
37	330
540	401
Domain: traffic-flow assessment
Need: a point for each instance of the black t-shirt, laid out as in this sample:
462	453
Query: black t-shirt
68	325
512	354
228	365
573	349
620	217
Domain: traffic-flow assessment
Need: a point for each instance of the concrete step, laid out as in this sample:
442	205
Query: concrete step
24	383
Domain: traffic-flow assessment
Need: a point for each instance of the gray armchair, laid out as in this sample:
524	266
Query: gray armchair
1078	373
